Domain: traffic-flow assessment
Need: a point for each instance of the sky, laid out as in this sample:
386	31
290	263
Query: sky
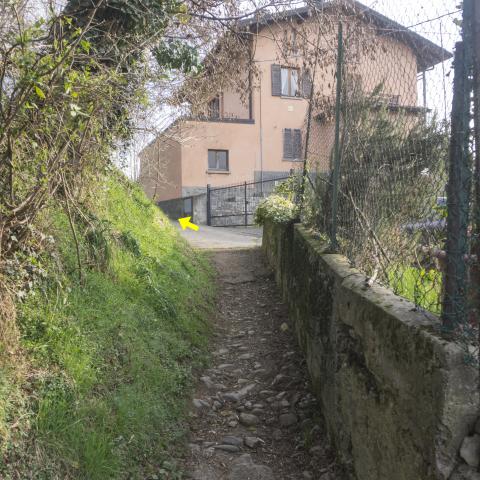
432	19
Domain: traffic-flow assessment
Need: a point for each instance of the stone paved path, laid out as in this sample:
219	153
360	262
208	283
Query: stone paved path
253	416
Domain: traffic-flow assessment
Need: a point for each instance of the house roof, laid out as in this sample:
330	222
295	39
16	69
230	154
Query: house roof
427	52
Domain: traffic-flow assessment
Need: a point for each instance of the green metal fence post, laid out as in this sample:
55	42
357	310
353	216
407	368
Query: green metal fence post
455	302
246	203
336	154
209	206
309	121
475	269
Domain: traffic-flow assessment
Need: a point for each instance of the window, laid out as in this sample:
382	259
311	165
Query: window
289	82
218	160
214	108
388	100
353	53
354	83
292	144
307	84
290	41
294	43
394	100
285	81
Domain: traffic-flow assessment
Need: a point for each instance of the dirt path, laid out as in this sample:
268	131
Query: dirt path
253	417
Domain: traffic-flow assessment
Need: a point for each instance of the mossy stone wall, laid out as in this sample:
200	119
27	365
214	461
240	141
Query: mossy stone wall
397	398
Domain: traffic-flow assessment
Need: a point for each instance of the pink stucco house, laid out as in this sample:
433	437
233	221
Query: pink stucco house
233	141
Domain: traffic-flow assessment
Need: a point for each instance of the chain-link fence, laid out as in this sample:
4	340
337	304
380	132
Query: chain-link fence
390	175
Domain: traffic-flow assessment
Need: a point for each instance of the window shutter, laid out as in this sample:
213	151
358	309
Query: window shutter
297	144
212	160
276	80
306	84
287	143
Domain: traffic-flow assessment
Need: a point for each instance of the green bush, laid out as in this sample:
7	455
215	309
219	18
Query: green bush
276	208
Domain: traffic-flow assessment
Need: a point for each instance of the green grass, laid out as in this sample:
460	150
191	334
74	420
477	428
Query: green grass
112	356
423	287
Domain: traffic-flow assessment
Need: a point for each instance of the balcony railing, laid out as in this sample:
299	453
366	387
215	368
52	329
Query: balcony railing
222	119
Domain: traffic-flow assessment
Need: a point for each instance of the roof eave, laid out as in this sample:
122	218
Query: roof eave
428	53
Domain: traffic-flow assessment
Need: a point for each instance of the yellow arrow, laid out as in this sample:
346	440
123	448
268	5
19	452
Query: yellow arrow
186	223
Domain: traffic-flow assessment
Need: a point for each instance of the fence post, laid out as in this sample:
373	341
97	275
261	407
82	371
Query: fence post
336	154
246	204
458	193
309	121
475	269
209	207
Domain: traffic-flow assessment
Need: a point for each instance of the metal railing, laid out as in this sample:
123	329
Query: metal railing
235	205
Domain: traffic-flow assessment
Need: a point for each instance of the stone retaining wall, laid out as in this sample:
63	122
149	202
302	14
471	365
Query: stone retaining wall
397	399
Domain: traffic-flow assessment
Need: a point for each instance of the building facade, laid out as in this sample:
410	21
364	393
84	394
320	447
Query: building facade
263	137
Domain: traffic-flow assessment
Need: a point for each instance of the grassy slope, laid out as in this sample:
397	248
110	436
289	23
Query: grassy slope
113	357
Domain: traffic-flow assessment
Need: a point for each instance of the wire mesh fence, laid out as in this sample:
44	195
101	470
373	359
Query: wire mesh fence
389	151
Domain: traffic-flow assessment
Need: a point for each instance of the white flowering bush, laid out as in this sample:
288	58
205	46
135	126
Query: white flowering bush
276	208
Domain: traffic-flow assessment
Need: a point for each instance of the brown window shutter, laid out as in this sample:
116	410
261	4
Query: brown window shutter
306	84
288	143
276	80
297	144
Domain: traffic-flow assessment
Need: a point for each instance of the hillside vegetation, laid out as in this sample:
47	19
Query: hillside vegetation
111	318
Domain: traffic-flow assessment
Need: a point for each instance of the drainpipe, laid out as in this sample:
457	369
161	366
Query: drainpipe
261	133
424	86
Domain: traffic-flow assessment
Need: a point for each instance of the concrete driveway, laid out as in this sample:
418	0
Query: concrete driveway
223	237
